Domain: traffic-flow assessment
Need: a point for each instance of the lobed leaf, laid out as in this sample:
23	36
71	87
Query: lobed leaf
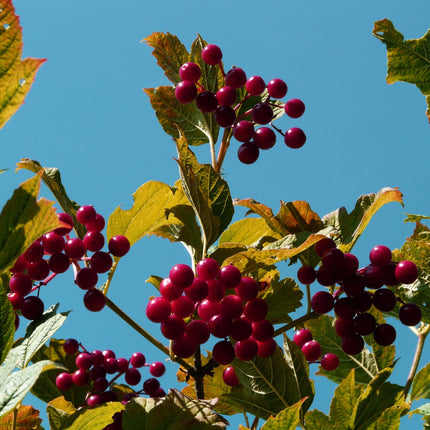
316	420
52	178
289	418
175	411
408	60
16	75
7	323
23	220
421	384
389	420
27	418
367	364
59	410
350	225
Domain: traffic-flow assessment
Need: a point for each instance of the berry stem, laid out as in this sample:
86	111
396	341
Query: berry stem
212	149
422	334
277	129
308	298
109	279
295	323
254	423
225	142
130	321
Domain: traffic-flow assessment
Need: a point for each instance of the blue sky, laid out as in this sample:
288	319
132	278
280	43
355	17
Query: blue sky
87	115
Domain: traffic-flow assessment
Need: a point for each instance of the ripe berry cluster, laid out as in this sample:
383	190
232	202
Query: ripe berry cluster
94	368
358	290
312	350
226	103
219	302
54	253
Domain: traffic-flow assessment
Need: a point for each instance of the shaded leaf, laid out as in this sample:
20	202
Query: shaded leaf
289	418
16	75
176	410
38	332
226	250
421	384
7	323
23	220
298	216
52	178
408	60
317	420
59	410
351	225
389	420
271	384
366	364
27	418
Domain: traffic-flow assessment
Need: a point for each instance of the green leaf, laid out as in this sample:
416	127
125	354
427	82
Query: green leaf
289	418
27	418
38	333
389	420
175	411
152	213
7	323
408	60
52	178
282	297
16	385
350	226
375	399
316	420
247	231
169	52
59	410
207	192
421	384
298	216
272	384
415	218
23	220
16	75
367	364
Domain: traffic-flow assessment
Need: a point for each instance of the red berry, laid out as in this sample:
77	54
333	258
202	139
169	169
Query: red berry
322	302
211	54
248	153
226	96
277	88
94	300
312	350
266	348
410	314
302	336
86	278
329	361
223	352
262	113
352	344
70	346
208	269
137	359
384	334
21	284
295	138
246	349
225	116
235	78
229	377
255	85
158	309
206	101
294	108
182	275
132	376
157	369
264	138
190	72
119	245
247	289
243	131
380	255
256	309
231	276
66	219
64	381
185	92
406	272
32	308
86	214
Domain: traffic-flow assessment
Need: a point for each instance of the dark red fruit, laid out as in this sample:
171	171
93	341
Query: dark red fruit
264	138
183	347
266	348
352	344
211	54
86	278
302	336
64	381
206	101
185	92
101	261
220	325
182	275
255	310
137	359
169	290
84	360
197	291
119	245
294	108
225	116
262	113
97	224
329	361
150	386
66	219
86	214
384	300
34	252
94	241
74	248
190	72
406	272
32	308
231	276
208	269
380	255
38	270
158	309
132	376
21	284
324	244
277	88
197	331
384	334
295	138
364	324
312	350
59	263
223	352
255	85
235	78
248	153
53	242
322	302
172	327
262	330
94	300
241	329
182	307
247	289
243	131
226	96
157	369
70	346
246	349
229	377
410	314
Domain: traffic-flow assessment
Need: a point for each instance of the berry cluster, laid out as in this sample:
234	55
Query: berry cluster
227	101
312	350
358	290
94	368
219	302
54	253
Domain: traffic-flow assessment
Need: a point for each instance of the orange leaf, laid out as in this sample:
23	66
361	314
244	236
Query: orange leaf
27	418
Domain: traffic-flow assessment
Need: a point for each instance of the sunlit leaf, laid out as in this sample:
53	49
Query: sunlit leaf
316	420
298	216
174	411
421	384
16	75
23	220
408	60
52	178
289	418
59	410
389	420
350	225
366	364
27	418
7	323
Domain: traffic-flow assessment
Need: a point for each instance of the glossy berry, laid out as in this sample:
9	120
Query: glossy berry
158	309
410	314
243	131
66	219
172	327
137	359
32	308
294	108
58	263
197	331
406	272
183	347
208	309
53	243
277	88
384	334
150	386
262	113
223	352
211	54
225	116
38	270
229	377
306	275
132	376
182	307
197	291
206	101
70	346
74	248
264	138
190	72
333	259
295	138
322	302
246	349
34	252
352	344
86	278
185	92
80	377
364	323
302	336
256	309
122	364
255	85
231	276
216	290
312	350
329	361
350	264
101	261
262	330
169	290
232	306
324	244
266	348
380	255
344	327
182	275
94	300
248	153
157	369
94	241
373	276
84	360
235	78
86	214
94	400
241	329
208	269
20	283
16	300
345	307
64	381
226	96
384	300
353	285
119	245
97	224
220	325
